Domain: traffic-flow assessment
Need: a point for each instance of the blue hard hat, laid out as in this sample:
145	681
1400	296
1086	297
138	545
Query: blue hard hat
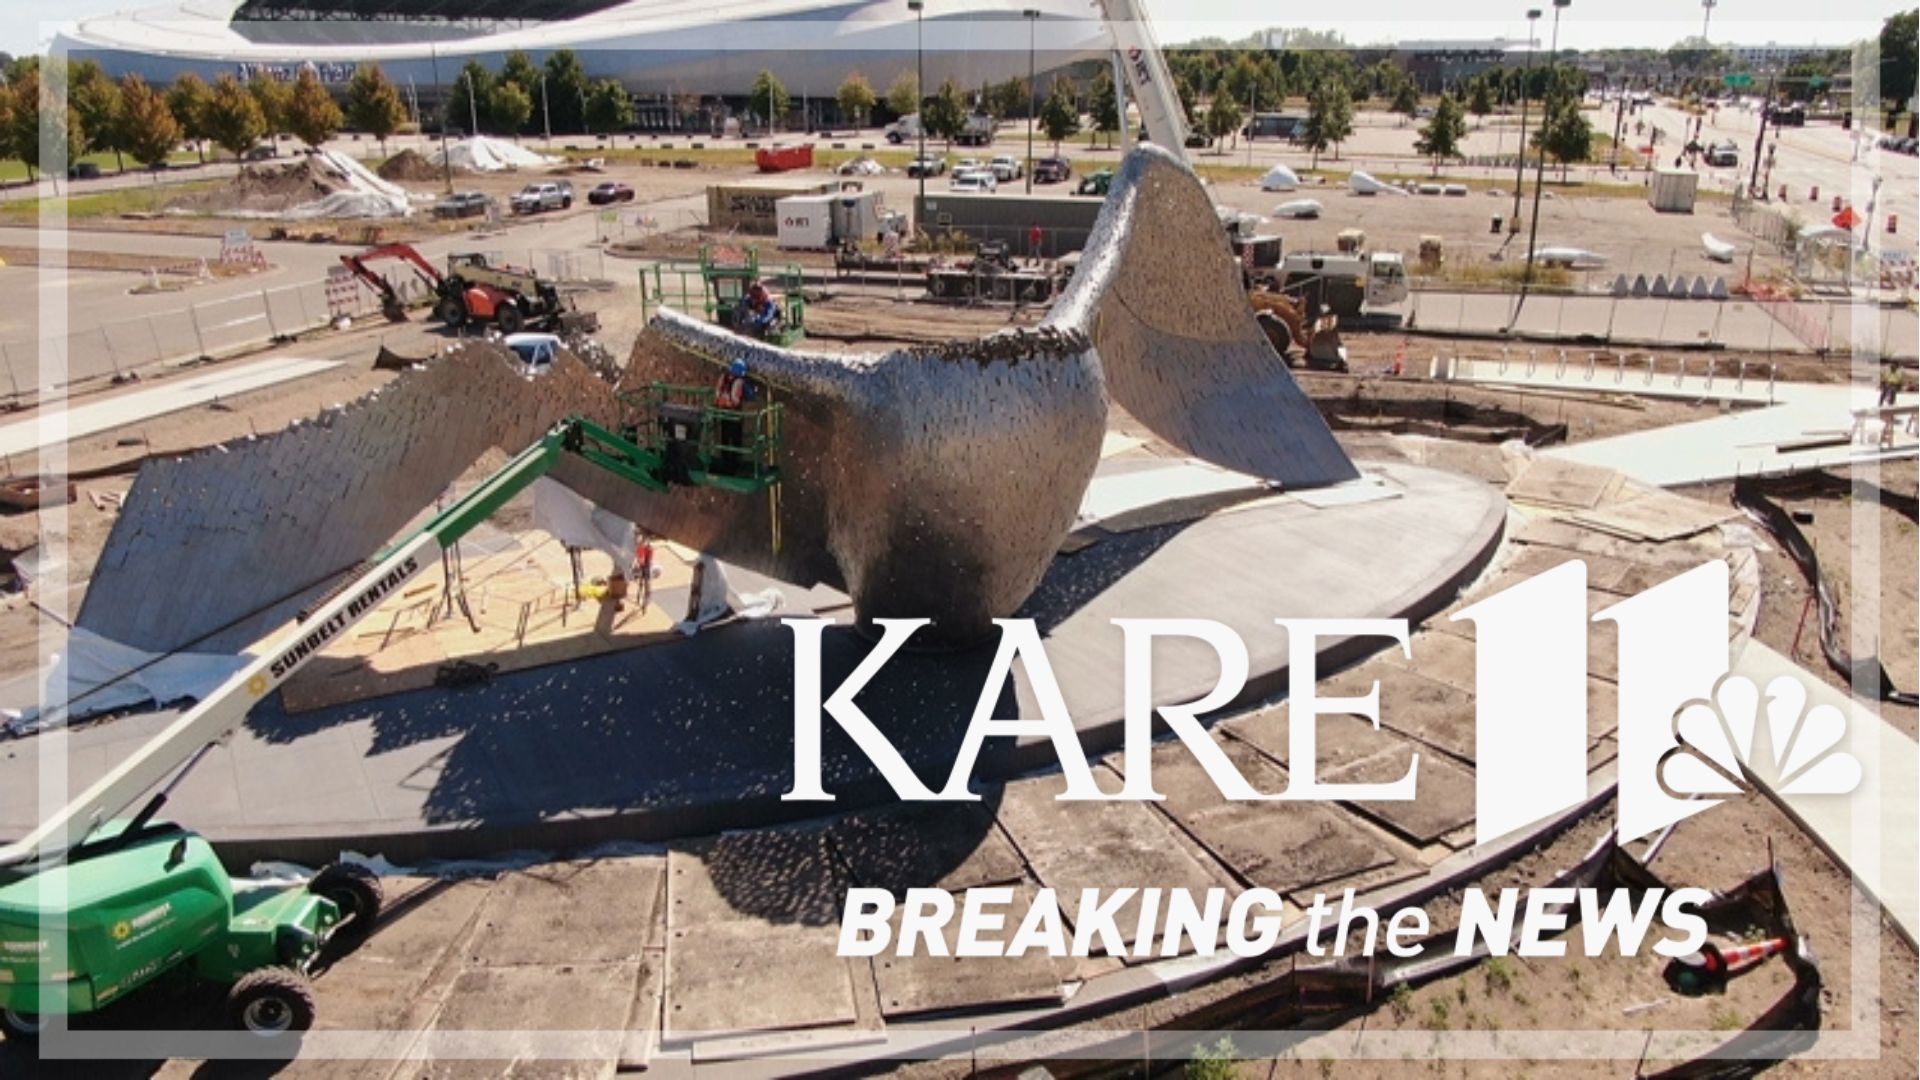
738	367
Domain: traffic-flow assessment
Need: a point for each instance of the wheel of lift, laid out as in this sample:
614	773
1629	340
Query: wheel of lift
452	311
356	891
21	1026
510	319
271	1002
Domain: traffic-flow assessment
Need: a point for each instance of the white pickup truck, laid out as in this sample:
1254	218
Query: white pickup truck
543	195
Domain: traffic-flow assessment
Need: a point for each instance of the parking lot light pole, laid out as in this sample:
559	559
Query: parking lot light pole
1526	80
1033	20
1540	173
918	7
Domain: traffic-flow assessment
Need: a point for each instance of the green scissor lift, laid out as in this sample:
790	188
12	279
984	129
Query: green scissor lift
94	906
716	284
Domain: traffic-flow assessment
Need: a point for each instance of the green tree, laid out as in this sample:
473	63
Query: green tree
609	106
1010	99
312	116
570	96
233	117
23	109
856	99
1106	106
374	105
96	99
188	99
275	99
1440	138
1329	118
509	106
150	127
945	113
1059	117
1899	57
768	99
1564	133
521	71
1480	99
1224	117
1406	99
903	97
467	98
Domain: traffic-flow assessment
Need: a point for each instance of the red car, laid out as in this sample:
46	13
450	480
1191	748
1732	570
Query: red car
610	192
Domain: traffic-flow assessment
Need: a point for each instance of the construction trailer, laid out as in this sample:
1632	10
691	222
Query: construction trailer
825	222
751	206
1065	222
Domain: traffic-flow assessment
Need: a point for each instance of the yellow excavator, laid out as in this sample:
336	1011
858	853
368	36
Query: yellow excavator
1289	319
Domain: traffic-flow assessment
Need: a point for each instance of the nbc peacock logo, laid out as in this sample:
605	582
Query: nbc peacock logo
1737	736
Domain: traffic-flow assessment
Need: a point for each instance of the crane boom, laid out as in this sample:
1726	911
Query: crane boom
1147	77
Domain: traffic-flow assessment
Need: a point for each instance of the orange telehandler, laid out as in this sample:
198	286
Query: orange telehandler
471	291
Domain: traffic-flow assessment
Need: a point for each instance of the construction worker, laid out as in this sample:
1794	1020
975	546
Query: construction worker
762	312
1891	383
732	393
643	568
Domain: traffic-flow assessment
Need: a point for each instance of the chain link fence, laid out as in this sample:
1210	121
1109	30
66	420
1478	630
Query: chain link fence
238	323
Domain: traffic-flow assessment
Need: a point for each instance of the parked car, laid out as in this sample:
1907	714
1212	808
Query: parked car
83	170
1051	170
978	180
462	204
1096	183
544	195
968	164
1723	155
610	192
927	165
261	152
1007	168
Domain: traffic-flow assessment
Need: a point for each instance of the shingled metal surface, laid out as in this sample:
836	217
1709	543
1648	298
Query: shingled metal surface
1159	293
217	548
930	482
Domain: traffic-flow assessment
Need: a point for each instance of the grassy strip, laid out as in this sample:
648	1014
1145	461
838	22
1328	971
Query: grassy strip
117	202
13	171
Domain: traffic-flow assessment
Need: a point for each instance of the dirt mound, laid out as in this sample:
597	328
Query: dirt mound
408	165
268	188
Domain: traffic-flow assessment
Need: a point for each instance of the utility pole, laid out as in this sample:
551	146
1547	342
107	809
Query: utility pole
1540	172
1706	22
1033	19
1520	165
546	114
918	7
473	106
1766	109
446	159
1619	125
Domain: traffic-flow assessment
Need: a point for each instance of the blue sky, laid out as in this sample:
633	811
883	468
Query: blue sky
1588	23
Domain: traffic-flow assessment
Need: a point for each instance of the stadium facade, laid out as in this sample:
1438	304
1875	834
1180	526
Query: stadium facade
654	47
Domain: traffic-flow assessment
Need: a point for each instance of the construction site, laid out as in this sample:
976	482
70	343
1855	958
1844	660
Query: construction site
435	584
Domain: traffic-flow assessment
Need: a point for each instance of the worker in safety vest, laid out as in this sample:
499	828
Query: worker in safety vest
733	391
762	312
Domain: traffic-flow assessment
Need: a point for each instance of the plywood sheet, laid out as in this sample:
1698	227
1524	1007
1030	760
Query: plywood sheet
923	983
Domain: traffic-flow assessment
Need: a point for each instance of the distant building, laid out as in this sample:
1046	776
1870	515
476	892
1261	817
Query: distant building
1438	63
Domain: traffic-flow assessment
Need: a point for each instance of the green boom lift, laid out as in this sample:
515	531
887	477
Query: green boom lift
94	906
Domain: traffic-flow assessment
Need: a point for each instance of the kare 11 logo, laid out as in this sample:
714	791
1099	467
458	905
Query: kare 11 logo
1689	733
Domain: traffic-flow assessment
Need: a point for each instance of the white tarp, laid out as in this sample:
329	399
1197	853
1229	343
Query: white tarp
1717	249
96	674
714	598
1279	178
575	522
1363	183
1298	209
482	154
1572	258
362	194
